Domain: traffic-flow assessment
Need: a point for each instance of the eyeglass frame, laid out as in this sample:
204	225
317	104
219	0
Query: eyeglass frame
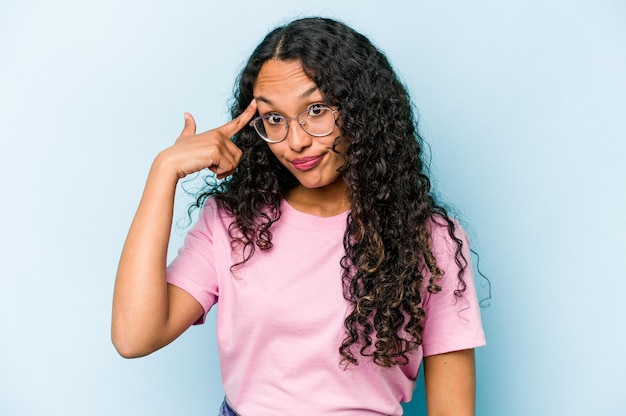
268	140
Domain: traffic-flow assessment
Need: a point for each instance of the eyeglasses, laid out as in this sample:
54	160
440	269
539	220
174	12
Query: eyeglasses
318	120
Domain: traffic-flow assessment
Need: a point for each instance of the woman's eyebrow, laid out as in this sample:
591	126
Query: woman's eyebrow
265	100
305	94
309	92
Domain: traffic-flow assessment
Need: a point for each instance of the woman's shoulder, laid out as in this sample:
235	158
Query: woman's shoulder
446	234
212	206
212	214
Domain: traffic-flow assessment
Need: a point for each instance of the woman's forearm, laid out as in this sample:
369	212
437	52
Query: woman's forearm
140	300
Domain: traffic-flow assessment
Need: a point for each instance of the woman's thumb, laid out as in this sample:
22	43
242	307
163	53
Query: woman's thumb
190	126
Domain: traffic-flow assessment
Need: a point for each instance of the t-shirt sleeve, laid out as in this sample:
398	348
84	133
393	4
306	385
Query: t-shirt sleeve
193	270
452	322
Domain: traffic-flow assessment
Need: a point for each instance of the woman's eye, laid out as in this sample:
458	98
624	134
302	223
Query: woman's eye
275	119
316	110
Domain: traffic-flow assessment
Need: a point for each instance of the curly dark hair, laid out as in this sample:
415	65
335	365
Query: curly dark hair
388	258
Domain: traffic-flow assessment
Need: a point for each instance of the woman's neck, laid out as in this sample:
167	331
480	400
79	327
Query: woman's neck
327	201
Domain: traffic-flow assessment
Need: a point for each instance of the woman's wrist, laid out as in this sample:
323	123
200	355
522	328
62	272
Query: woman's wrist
164	168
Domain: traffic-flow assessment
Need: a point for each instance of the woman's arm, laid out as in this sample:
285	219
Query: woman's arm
147	312
450	381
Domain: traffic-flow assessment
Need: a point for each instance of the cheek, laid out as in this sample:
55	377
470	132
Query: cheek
341	137
341	144
277	150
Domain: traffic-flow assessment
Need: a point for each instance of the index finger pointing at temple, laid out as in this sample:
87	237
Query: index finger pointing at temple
235	125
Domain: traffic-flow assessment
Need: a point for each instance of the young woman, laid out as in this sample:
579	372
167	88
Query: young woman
333	269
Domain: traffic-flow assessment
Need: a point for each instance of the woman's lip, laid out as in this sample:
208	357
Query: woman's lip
306	163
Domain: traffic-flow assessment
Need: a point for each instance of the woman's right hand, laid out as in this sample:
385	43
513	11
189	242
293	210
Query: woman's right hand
147	312
212	149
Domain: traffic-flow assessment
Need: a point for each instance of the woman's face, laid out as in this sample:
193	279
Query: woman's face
282	87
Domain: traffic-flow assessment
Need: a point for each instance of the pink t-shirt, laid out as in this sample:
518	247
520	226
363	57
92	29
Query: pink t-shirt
280	318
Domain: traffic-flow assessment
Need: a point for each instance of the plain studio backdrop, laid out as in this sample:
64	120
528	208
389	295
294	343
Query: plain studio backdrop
523	104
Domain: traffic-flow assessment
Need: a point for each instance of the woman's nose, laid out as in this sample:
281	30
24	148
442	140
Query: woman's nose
297	138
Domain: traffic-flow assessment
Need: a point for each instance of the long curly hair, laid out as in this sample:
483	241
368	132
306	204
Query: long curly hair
388	259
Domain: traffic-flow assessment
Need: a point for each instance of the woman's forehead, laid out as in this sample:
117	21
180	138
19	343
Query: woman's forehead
283	79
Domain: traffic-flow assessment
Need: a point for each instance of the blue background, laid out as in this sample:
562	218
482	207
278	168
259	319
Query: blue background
523	104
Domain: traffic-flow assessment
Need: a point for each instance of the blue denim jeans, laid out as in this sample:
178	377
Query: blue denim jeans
226	410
